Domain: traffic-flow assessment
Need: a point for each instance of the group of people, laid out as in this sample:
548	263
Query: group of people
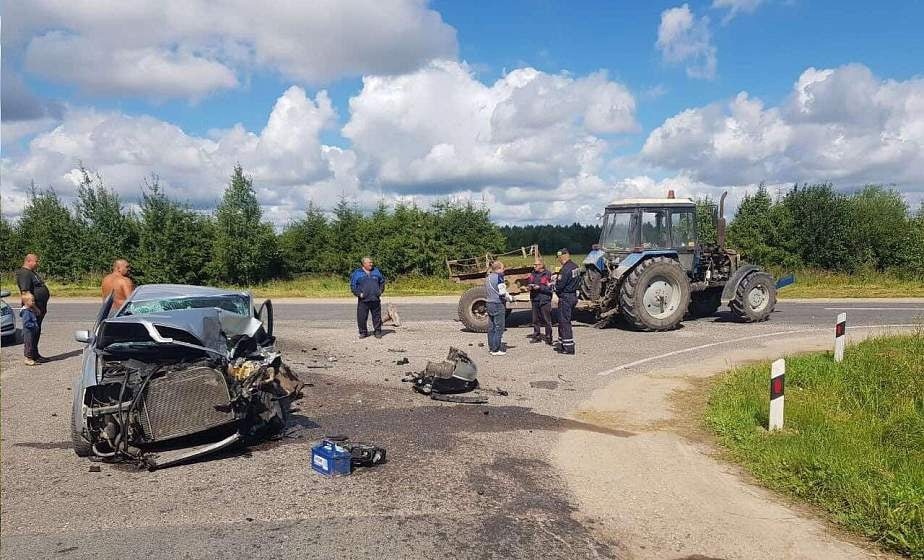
541	284
34	296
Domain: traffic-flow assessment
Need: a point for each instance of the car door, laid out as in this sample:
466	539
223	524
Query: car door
264	314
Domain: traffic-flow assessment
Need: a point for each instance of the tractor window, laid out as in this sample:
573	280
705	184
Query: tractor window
617	234
654	230
683	228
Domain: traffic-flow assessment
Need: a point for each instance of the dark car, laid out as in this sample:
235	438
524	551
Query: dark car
179	372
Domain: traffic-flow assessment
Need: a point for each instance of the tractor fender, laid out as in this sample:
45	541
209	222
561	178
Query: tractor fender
731	287
630	262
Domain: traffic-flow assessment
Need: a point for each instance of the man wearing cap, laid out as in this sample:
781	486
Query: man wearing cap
566	287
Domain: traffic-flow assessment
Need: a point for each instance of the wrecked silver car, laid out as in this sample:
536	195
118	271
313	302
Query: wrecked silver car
177	373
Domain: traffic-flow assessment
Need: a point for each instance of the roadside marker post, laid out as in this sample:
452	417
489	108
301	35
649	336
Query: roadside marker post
840	337
777	383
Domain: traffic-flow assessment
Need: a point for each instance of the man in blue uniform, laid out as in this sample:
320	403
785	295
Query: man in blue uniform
497	299
367	284
540	296
566	287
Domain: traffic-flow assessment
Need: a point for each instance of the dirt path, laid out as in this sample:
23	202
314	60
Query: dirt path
665	493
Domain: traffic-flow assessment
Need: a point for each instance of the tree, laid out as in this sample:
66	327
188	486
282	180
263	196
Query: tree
12	253
48	229
174	243
466	230
822	227
306	244
107	232
706	214
349	230
882	225
244	250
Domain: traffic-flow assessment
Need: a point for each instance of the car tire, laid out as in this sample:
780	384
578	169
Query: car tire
653	277
473	309
81	446
755	298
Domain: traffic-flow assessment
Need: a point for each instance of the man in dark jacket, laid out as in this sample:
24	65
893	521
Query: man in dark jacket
540	296
31	283
367	284
566	286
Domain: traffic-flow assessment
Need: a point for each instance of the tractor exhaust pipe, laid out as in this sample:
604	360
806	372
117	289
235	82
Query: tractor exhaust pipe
720	226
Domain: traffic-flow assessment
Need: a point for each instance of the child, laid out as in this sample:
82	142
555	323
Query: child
30	327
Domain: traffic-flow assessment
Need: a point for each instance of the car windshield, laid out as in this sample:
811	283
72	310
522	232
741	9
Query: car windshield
235	303
616	234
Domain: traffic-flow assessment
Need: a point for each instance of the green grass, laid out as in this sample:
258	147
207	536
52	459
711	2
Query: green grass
853	442
809	284
864	284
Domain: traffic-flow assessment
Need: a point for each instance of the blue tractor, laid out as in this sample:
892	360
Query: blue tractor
651	269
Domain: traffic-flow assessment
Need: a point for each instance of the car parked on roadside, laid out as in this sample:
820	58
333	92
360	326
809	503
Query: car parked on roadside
177	373
7	317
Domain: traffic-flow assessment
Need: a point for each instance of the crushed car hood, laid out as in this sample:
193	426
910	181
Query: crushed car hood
207	329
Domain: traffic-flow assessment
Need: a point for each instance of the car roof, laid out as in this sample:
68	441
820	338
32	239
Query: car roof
167	291
652	202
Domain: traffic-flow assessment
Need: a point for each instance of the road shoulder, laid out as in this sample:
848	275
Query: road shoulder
666	492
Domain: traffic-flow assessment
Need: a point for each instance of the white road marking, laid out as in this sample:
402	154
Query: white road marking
874	308
741	339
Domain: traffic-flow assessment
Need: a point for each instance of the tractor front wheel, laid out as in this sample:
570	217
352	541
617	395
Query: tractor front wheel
755	298
473	309
655	295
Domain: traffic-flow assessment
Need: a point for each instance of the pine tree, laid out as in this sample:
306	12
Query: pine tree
245	249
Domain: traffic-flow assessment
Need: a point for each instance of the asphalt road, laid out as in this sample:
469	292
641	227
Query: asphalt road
802	312
462	481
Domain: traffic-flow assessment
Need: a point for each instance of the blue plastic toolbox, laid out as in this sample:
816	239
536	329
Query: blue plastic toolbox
330	459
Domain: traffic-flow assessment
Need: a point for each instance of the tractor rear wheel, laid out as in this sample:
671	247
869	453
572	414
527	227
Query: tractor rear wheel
655	295
473	309
705	303
755	298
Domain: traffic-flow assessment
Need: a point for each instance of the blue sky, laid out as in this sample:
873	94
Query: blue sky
672	115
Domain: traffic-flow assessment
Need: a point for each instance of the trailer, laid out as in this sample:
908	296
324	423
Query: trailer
473	310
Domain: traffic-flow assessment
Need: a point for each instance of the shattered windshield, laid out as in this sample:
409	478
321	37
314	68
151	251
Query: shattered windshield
616	234
234	303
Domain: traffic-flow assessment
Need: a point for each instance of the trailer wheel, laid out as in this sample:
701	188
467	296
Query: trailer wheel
473	309
655	295
755	298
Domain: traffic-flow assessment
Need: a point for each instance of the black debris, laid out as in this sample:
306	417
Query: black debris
94	468
403	361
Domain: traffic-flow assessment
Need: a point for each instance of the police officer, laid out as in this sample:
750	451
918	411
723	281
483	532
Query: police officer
566	287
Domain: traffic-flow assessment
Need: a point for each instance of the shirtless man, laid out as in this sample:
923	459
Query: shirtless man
118	283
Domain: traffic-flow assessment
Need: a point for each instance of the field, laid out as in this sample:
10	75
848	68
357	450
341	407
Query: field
853	442
809	284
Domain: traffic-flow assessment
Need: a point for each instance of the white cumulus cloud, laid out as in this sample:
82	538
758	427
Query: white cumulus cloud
842	124
189	48
685	39
736	7
439	129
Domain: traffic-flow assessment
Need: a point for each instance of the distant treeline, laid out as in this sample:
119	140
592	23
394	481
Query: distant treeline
166	241
577	237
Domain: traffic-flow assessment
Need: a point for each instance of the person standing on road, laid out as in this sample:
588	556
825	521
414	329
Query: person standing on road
118	283
540	296
497	299
30	282
31	328
569	278
367	283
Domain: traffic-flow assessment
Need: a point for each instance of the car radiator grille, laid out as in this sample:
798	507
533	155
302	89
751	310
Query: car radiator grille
184	402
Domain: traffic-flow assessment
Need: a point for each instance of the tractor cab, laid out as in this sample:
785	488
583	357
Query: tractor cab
650	225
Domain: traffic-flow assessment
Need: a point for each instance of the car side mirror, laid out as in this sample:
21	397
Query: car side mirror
82	336
4	293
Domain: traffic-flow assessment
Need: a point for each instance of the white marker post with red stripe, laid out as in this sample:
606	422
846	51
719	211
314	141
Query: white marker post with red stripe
777	383
840	337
